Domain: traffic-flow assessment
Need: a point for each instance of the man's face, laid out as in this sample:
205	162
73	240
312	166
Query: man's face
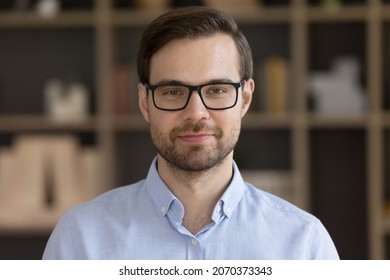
196	138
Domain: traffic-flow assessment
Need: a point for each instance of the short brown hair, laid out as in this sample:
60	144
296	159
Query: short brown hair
190	22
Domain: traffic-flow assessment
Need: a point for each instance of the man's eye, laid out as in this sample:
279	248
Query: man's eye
172	92
216	91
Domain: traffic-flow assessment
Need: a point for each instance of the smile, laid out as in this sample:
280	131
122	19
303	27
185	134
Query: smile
195	138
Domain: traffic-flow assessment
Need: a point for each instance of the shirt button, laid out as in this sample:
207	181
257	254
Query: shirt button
162	209
194	242
228	210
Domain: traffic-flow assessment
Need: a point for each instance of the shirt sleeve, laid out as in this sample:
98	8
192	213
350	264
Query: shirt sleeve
60	245
321	246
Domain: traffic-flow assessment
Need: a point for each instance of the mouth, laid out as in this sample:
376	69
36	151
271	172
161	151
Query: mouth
195	133
195	137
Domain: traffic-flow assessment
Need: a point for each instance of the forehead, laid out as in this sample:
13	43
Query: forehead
196	60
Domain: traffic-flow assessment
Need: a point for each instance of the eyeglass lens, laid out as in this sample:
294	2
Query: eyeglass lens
215	96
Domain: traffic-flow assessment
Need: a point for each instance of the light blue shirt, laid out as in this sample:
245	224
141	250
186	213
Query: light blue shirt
144	221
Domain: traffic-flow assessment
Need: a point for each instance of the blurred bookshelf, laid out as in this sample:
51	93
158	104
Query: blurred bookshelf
334	163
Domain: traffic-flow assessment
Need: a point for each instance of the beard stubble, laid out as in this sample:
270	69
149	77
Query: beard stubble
194	157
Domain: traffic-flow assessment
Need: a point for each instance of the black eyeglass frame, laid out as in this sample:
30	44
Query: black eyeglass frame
197	88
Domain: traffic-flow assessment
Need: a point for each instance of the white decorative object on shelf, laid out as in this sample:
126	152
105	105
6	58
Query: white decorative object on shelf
77	102
277	182
66	103
53	93
338	92
48	8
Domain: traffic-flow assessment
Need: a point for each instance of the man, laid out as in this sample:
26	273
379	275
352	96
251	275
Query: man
195	71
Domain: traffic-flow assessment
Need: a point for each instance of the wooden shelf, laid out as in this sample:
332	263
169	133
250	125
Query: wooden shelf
34	20
386	12
262	15
267	121
339	122
42	224
130	123
39	123
243	15
133	17
386	224
27	229
386	119
250	121
344	14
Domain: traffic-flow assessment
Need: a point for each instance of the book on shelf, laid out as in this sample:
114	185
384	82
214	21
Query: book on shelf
274	80
30	158
122	87
386	216
8	177
91	164
65	170
42	176
22	181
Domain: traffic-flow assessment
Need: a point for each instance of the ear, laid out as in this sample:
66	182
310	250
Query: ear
248	89
143	101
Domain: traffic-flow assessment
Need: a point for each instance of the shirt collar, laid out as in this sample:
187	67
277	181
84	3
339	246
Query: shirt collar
157	189
233	194
163	197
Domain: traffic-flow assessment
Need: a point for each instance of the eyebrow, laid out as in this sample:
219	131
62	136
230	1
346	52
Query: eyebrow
181	83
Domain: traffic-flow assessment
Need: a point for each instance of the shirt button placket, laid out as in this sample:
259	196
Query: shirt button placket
195	251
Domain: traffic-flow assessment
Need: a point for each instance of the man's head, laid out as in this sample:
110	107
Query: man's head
195	86
191	23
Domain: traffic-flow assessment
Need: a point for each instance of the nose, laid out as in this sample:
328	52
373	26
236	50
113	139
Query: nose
195	109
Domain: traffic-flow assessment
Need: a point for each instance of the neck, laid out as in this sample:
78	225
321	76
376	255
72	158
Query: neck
210	181
197	191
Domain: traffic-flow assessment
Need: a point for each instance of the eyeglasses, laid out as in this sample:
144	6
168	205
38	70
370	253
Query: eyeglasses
175	96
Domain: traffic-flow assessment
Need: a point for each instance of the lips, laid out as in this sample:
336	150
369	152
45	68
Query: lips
195	132
195	138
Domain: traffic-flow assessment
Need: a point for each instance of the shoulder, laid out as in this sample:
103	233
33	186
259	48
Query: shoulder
286	222
119	194
83	229
276	207
110	203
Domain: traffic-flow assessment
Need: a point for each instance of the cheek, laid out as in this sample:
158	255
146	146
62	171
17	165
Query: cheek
231	118
160	123
236	119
